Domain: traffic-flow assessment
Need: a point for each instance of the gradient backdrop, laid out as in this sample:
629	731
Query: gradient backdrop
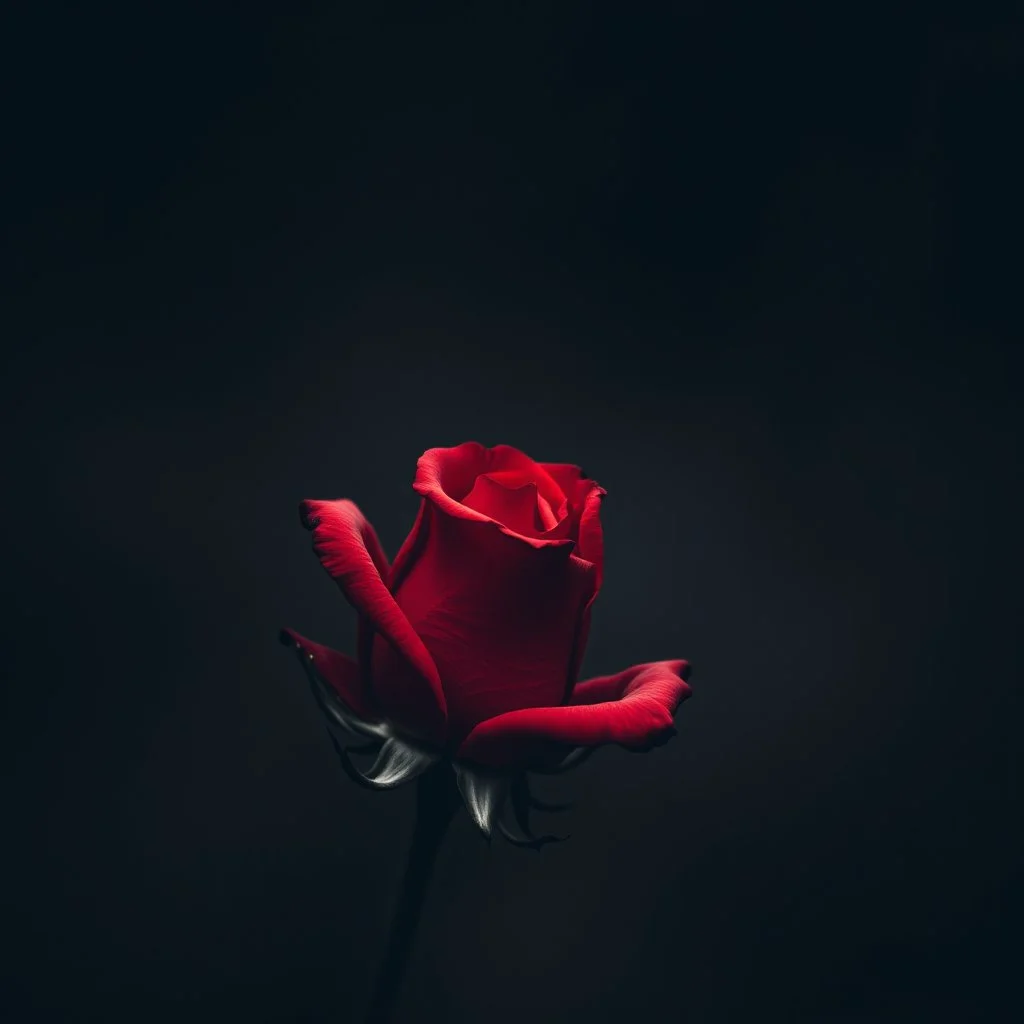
753	272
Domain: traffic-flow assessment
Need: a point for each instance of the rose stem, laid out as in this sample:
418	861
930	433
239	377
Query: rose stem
436	801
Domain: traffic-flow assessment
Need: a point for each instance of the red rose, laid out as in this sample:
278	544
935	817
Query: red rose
470	643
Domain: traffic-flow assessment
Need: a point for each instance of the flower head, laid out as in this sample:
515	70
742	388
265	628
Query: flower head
469	644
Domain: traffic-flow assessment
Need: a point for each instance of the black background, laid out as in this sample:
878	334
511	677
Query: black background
755	272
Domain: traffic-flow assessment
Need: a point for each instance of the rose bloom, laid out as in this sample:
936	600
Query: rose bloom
470	643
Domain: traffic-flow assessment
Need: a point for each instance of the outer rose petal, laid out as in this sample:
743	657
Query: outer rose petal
499	618
584	497
338	670
591	535
411	548
579	644
633	708
350	552
566	475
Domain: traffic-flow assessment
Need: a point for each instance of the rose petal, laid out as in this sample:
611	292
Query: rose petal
591	535
349	550
564	474
452	470
584	497
511	478
632	708
338	670
411	548
590	548
582	635
513	506
446	476
398	762
503	457
499	618
484	795
549	516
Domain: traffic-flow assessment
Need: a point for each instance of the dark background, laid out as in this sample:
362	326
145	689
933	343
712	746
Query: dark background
756	272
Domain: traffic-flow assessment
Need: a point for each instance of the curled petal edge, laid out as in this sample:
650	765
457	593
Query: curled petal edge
470	460
486	796
349	551
331	697
634	709
398	760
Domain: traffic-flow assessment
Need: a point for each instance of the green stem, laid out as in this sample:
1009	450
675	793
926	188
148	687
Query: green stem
436	801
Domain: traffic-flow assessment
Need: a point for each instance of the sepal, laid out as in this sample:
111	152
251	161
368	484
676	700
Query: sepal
487	794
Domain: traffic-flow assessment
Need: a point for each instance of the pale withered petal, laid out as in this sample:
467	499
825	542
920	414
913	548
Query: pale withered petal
484	794
346	762
333	708
398	762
